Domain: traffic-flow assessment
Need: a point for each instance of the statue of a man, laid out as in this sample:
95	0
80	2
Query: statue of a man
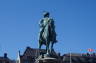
47	33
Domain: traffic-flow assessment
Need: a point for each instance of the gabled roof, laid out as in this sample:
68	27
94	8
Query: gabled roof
31	52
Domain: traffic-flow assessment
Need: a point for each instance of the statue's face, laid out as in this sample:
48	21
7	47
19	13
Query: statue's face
46	14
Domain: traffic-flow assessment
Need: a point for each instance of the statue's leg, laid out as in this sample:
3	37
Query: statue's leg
40	44
47	48
52	46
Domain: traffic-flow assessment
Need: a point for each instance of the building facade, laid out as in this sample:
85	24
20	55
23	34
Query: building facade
5	59
30	55
78	58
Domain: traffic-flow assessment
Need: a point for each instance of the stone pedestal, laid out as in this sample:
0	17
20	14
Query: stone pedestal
48	60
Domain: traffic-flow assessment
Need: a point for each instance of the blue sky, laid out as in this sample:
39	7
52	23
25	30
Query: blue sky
75	22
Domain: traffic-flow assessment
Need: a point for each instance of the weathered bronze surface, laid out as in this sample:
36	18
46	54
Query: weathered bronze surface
47	35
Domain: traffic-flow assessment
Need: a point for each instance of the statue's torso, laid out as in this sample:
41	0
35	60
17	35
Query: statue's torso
46	21
46	28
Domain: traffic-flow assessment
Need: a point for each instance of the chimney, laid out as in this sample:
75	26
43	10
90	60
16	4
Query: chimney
5	55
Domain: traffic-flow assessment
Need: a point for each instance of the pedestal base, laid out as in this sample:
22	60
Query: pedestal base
48	60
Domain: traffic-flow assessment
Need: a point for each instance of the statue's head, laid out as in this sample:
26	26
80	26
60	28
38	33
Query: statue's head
46	14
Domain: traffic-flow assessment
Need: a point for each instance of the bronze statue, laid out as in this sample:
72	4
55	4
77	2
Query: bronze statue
47	35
